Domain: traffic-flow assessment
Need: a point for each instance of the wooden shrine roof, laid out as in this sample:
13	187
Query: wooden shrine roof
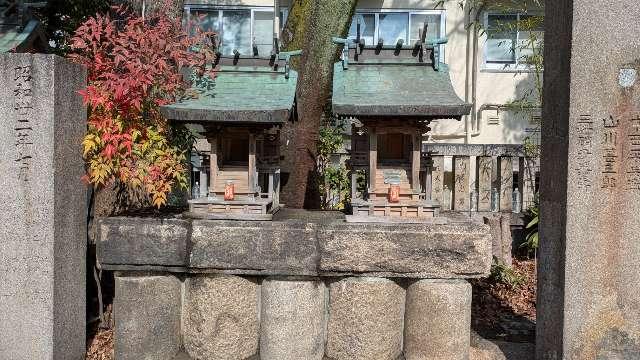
18	31
395	81
244	91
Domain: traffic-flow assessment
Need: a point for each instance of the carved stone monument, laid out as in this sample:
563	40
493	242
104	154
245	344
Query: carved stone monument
43	202
589	270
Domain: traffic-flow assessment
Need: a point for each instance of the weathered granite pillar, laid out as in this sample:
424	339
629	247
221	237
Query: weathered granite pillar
461	172
589	259
505	178
221	317
147	316
527	181
483	178
293	321
437	179
365	319
500	225
44	208
438	320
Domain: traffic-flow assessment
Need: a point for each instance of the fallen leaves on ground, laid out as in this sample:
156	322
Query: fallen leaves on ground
100	340
504	312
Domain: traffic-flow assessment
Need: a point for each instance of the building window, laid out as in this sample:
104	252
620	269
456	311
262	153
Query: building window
391	25
239	28
511	39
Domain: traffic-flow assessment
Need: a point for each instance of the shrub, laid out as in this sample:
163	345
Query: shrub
134	67
501	273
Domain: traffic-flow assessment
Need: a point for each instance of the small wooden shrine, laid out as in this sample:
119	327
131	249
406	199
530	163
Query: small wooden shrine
240	114
391	93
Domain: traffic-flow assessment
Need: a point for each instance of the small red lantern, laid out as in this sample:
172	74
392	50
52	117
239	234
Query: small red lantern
394	193
229	191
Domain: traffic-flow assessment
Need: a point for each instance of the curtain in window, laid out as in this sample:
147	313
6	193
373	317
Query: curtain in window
502	33
263	31
417	23
236	32
367	27
393	27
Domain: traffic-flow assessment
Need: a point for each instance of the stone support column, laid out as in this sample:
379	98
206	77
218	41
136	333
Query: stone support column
293	319
221	317
147	317
437	320
365	319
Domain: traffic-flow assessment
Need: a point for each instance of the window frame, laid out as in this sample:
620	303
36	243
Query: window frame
379	11
221	8
517	66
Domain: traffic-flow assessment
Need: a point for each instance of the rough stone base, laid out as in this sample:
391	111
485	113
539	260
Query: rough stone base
230	317
147	315
293	319
437	320
365	319
221	317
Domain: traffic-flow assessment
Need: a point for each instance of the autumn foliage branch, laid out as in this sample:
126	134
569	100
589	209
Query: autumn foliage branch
134	67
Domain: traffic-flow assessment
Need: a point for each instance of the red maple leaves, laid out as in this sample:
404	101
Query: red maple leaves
134	67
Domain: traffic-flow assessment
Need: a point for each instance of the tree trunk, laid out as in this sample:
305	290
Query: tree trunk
171	8
310	26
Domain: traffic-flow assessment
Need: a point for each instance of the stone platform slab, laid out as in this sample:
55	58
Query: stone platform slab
296	243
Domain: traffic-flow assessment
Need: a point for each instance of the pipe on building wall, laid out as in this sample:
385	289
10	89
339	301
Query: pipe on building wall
276	26
472	122
467	69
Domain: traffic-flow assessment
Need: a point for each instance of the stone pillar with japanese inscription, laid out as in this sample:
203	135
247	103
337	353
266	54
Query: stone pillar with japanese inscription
589	258
483	176
505	176
44	208
527	181
461	165
437	179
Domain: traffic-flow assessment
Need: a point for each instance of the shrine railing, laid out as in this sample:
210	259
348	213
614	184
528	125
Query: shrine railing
483	177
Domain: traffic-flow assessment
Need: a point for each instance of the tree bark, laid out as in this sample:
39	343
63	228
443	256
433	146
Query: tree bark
310	26
172	8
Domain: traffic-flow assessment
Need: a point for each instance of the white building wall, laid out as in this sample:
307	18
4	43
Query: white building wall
239	3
